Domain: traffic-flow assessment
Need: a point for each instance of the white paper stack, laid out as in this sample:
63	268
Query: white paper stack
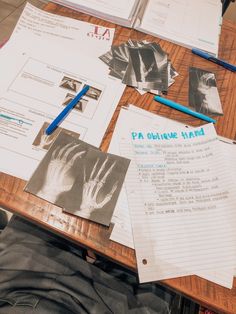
190	23
179	197
122	12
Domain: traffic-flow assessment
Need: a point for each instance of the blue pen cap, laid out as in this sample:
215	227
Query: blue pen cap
201	53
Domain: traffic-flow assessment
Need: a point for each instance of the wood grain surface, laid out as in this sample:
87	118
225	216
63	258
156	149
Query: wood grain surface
95	236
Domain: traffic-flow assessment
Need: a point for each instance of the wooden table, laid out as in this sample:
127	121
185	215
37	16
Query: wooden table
96	237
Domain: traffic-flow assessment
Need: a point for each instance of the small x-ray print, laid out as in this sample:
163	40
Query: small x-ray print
93	93
70	84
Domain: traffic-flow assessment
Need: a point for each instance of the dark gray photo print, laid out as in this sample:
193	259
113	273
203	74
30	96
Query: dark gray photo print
56	173
203	93
120	60
79	178
96	191
147	69
141	64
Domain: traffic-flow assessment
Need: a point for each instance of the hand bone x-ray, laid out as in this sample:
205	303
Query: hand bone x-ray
79	178
203	92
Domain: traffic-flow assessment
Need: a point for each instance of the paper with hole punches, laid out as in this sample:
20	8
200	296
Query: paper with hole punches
182	199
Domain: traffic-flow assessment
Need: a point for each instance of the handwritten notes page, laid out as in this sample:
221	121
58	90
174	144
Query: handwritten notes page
130	117
224	277
182	202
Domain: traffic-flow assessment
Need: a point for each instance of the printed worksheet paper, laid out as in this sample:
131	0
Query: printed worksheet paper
37	83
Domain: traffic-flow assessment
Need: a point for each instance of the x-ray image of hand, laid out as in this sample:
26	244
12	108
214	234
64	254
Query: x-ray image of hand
59	177
94	184
79	178
46	140
203	92
43	140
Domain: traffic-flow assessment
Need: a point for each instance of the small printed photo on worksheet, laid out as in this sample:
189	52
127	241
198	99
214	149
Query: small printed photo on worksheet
80	106
93	92
44	141
203	92
70	84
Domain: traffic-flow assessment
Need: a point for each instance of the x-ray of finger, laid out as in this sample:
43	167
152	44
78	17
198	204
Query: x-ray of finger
203	92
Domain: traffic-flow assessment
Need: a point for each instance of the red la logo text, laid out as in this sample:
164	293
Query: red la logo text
100	33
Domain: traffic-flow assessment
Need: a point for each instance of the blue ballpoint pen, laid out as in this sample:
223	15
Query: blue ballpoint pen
223	63
66	110
184	109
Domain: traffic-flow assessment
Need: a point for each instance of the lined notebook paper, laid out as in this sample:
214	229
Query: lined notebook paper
130	117
225	276
182	199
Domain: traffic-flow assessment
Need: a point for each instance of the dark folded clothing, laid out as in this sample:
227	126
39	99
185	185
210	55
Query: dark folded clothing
3	220
43	273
